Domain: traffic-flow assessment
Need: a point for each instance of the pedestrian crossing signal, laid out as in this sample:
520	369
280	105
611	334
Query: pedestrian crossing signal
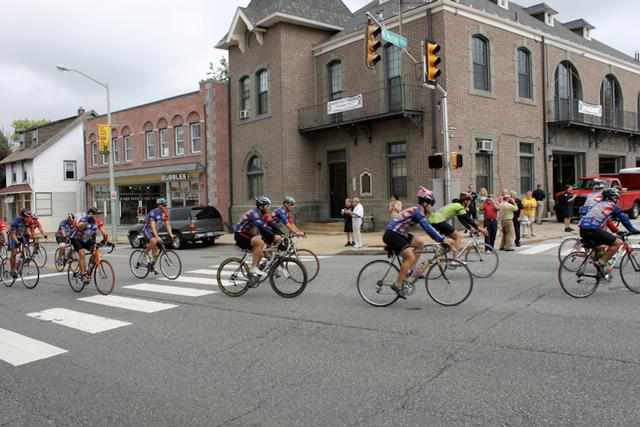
435	161
372	44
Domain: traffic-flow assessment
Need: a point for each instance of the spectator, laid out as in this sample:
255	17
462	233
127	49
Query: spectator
516	217
484	194
529	212
565	207
490	209
395	207
357	214
504	196
348	222
506	210
540	196
473	207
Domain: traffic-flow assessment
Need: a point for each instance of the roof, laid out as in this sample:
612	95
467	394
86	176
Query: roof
186	167
16	188
540	8
388	10
577	24
30	153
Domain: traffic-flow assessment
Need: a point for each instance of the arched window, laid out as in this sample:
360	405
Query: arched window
611	101
335	80
245	94
255	177
481	71
262	79
525	86
568	90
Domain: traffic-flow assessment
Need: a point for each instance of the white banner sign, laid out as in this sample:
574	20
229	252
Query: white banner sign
344	104
590	109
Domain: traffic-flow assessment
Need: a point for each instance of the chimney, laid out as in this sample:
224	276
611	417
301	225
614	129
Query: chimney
81	111
637	55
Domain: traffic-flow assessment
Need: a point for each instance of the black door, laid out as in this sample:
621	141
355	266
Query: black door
337	181
564	171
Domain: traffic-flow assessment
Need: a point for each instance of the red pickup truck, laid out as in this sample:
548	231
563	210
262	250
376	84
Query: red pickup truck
628	181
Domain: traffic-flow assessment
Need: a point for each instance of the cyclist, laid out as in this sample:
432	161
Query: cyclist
65	229
250	231
18	235
403	243
281	221
592	223
3	233
34	223
83	238
458	208
155	219
593	198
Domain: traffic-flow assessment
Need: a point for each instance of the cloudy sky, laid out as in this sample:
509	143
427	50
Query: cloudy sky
152	49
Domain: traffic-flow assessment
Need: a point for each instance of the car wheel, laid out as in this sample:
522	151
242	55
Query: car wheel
134	241
635	211
178	243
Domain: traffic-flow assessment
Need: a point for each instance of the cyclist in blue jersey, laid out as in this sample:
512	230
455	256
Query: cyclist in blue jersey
18	235
65	229
250	231
83	238
280	221
155	219
403	243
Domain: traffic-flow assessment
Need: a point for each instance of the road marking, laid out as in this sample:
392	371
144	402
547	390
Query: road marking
197	280
537	249
127	303
172	290
77	320
17	349
204	271
46	275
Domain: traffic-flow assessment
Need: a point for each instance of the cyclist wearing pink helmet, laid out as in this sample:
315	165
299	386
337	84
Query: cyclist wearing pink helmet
403	243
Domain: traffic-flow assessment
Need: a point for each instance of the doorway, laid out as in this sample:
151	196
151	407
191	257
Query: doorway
337	181
566	170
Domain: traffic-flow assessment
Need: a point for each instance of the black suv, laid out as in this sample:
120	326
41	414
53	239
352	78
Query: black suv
191	224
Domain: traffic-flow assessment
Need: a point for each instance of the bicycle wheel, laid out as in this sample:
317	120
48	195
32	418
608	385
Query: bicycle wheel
630	272
138	264
288	277
578	275
60	258
449	282
74	276
104	277
5	273
310	262
170	264
30	273
572	244
4	252
39	256
374	283
233	277
482	260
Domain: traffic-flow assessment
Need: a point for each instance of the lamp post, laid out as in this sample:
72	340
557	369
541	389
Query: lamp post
112	184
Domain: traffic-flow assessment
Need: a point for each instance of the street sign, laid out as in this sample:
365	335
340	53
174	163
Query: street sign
114	195
104	138
395	39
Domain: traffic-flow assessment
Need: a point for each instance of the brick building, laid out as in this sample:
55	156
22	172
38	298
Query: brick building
176	148
531	100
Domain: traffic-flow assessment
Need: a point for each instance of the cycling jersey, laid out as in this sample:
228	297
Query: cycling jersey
592	200
280	216
157	216
3	226
18	227
67	226
451	210
409	217
600	214
89	232
250	221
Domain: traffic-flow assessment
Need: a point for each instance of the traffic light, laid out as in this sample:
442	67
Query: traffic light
456	160
435	161
372	44
432	70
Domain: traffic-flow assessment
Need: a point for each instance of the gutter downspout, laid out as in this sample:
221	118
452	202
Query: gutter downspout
545	79
229	149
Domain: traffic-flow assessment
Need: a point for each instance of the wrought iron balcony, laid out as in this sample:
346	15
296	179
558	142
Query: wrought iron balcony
383	104
568	112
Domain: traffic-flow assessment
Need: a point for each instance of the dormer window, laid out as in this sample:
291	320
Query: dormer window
549	19
581	28
543	13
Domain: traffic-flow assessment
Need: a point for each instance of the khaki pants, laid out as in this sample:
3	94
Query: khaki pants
508	234
539	212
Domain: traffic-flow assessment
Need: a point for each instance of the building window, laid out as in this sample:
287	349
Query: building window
483	171
394	79
22	139
638	112
611	164
44	204
127	149
397	161
245	94
14	178
611	100
525	89
105	158
335	80
195	138
115	150
94	153
255	177
34	138
151	152
481	76
184	193
179	140
70	170
164	143
24	171
262	79
568	91
365	184
526	167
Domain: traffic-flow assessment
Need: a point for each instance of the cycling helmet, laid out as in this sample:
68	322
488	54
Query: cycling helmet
464	197
162	201
95	211
25	212
426	196
610	193
263	201
35	216
290	200
71	216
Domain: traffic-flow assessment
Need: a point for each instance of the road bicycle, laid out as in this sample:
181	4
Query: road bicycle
104	277
170	264
481	258
287	275
579	277
26	269
448	281
305	256
64	255
38	252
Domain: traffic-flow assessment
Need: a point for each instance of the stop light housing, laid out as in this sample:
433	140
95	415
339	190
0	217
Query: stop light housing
456	160
432	68
372	44
436	161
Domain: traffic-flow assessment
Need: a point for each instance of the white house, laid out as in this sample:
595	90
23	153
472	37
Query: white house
44	173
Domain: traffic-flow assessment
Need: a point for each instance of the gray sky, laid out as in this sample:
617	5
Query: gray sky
153	49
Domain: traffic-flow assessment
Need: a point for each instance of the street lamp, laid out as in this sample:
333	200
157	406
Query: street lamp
112	184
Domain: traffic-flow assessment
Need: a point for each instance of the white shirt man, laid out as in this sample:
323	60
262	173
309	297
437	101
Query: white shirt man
358	213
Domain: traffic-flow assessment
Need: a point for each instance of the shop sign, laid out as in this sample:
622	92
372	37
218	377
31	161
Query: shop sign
175	177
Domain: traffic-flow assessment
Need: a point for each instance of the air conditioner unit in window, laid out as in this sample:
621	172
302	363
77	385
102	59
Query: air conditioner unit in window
244	114
484	145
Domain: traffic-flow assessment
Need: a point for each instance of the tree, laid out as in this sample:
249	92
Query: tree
221	73
5	150
24	124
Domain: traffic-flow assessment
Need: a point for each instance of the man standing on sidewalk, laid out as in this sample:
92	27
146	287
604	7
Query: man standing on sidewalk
539	195
506	210
490	209
357	215
516	217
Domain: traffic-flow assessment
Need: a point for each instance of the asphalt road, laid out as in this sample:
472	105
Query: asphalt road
518	351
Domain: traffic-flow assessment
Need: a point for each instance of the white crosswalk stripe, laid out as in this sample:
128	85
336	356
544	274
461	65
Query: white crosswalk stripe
197	280
170	290
77	320
204	271
17	349
538	249
126	303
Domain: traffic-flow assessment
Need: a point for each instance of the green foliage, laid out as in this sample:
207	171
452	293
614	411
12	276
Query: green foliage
23	124
221	73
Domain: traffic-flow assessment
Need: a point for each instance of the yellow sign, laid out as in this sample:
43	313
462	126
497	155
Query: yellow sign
104	138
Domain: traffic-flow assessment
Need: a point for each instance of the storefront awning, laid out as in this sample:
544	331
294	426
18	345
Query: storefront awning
16	189
160	170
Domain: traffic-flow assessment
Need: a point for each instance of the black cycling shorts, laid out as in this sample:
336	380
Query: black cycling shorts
596	237
267	235
396	242
80	244
444	228
243	241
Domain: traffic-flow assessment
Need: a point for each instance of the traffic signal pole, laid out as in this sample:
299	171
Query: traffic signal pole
445	136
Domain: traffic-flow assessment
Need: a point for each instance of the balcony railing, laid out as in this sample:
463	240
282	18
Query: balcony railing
387	103
567	111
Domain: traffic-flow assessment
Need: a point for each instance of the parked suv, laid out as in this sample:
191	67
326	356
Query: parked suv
191	224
